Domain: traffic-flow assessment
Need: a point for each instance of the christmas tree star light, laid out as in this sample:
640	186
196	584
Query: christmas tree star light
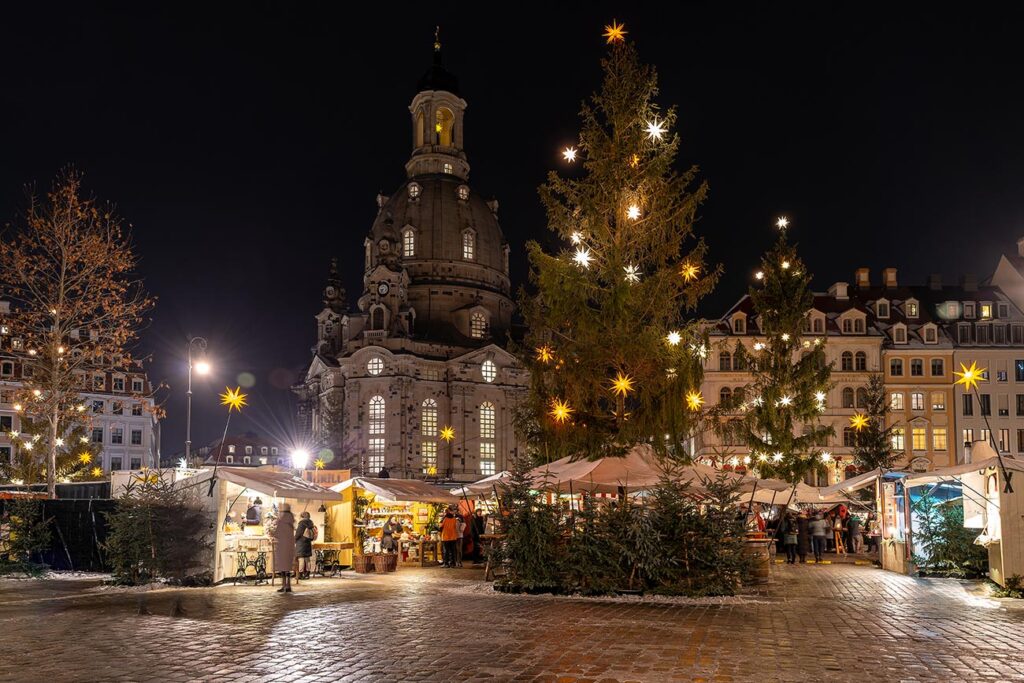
576	237
632	274
622	385
786	401
97	471
560	410
762	457
782	223
59	441
785	336
746	460
859	421
85	458
758	346
615	32
319	463
785	265
569	154
234	400
759	275
655	129
448	433
819	396
582	257
28	445
633	212
182	463
699	350
544	354
674	338
83	439
969	376
694	400
777	457
826	456
689	271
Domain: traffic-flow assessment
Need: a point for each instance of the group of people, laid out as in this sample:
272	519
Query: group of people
293	542
803	534
460	534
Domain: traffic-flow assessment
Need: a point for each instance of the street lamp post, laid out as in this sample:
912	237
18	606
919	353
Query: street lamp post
202	367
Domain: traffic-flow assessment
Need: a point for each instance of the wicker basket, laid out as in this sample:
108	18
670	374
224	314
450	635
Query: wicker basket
363	564
380	563
392	562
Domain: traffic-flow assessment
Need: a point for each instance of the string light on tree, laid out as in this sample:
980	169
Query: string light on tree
694	400
569	154
633	212
615	32
632	274
560	410
689	271
673	338
582	257
622	385
655	129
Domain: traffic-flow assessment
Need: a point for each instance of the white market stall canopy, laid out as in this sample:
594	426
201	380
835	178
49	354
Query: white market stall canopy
399	490
483	487
957	472
266	480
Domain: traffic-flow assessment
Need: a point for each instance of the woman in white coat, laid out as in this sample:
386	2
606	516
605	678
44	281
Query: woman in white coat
284	547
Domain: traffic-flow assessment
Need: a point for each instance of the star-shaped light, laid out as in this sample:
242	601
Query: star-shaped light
448	433
17	407
759	275
632	274
746	459
582	257
673	338
694	400
969	376
83	439
615	32
785	265
85	458
689	271
97	471
759	346
576	237
569	154
28	445
560	410
785	336
544	354
826	456
758	401
234	400
634	161
819	396
319	463
655	129
182	463
786	401
622	385
859	421
777	457
59	441
762	456
699	350
782	223
633	212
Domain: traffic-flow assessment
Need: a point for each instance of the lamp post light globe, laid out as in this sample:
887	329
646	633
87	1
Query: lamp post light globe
300	458
202	367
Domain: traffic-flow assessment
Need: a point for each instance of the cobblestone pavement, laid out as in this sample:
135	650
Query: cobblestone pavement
817	623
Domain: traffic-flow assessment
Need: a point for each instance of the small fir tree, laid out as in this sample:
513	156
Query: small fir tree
786	396
611	352
24	536
874	440
77	457
591	563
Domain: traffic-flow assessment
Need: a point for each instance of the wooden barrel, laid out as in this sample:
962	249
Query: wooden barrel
758	552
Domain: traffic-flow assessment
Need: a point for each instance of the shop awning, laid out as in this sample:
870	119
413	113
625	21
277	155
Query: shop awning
852	484
266	480
636	470
958	471
483	487
405	490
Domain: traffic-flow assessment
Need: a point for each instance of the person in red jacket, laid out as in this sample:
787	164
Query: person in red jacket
449	536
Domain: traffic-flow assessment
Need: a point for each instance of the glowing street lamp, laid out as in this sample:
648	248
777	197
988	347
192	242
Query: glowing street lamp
300	458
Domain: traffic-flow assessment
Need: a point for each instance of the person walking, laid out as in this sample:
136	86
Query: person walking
819	528
449	537
790	537
854	531
305	534
460	543
284	547
803	536
477	526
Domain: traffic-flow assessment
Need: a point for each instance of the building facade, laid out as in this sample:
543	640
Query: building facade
421	356
247	449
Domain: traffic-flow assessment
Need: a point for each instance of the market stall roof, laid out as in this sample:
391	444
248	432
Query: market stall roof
957	471
266	480
411	490
636	470
853	483
482	487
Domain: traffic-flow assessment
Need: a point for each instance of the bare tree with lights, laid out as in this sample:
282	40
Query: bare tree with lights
790	378
614	359
68	269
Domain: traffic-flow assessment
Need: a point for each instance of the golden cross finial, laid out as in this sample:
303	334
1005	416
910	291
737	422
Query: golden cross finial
437	39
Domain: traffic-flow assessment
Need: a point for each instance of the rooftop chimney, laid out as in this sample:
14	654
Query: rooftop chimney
1020	247
970	282
862	276
935	282
889	277
838	290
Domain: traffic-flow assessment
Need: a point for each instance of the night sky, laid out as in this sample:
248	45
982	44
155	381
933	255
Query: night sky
246	144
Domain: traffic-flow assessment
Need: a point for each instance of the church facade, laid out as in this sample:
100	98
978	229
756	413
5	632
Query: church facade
416	378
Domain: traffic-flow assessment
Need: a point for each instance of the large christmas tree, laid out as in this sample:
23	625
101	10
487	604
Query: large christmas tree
614	359
783	403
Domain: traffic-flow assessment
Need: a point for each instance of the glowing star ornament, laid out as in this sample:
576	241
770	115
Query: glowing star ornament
655	129
758	346
97	472
826	456
859	421
819	396
699	350
576	237
544	354
569	154
234	400
582	257
785	336
694	400
759	275
319	464
689	271
786	401
615	32
59	441
673	338
785	265
448	433
182	463
560	410
762	457
633	212
969	376
83	439
782	223
85	458
632	274
622	385
777	457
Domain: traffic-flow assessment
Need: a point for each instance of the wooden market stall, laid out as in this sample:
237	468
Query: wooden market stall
367	503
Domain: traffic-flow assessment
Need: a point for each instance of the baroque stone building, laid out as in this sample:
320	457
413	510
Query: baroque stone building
423	348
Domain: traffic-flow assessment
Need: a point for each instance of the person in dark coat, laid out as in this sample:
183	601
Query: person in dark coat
477	528
284	547
803	537
305	532
387	535
790	537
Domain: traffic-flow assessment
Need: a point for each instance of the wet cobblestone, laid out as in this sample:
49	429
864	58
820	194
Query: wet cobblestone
816	623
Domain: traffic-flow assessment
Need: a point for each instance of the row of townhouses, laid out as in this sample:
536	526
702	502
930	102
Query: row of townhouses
122	419
915	337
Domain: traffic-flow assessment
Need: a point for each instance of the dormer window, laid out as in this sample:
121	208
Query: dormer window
1003	311
930	334
408	242
986	311
847	326
969	310
468	245
818	325
911	309
899	334
414	190
882	309
463	192
739	325
858	326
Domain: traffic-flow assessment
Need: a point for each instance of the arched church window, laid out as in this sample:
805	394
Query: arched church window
414	190
489	370
409	242
377	319
421	127
463	192
468	245
428	430
487	434
375	427
444	126
478	325
375	366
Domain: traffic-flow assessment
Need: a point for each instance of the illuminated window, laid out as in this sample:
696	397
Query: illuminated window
375	455
468	245
443	125
911	309
939	438
489	370
377	415
986	311
917	401
968	436
428	450
231	448
938	400
487	458
896	400
897	434
448	169
478	325
428	417
375	366
408	242
414	190
919	438
486	420
463	192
